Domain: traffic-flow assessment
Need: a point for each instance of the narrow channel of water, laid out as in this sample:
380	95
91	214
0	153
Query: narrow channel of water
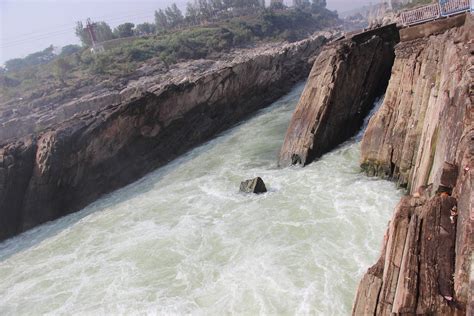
184	240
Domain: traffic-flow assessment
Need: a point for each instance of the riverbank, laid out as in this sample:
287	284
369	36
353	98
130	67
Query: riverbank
62	169
422	137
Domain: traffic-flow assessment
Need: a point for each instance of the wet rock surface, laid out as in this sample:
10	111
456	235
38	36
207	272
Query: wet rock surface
345	80
255	185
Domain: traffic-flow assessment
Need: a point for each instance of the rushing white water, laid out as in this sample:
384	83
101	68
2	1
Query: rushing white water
184	240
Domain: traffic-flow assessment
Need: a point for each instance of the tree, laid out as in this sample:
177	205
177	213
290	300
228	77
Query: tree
204	9
192	13
318	3
302	4
243	4
124	30
174	15
81	33
41	57
14	64
99	64
228	4
217	5
102	30
161	21
69	50
145	28
61	68
277	5
38	58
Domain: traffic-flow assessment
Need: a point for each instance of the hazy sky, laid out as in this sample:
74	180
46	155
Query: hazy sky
27	26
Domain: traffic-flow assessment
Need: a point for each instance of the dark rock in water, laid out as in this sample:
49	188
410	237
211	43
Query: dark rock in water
255	185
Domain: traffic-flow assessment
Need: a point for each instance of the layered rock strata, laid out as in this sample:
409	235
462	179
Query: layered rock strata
49	105
345	80
423	137
60	170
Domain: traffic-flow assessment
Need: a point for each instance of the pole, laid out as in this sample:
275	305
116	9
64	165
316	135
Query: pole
90	28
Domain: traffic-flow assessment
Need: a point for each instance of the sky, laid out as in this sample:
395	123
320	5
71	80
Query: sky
27	26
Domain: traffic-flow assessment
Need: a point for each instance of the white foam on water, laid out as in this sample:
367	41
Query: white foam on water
184	240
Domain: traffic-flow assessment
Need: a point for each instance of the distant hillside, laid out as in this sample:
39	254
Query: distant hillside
45	73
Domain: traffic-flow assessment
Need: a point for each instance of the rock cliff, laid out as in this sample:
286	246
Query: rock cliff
423	137
345	79
51	104
61	169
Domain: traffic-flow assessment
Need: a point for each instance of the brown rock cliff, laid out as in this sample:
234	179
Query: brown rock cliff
345	80
60	170
423	137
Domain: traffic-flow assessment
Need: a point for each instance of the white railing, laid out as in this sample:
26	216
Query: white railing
453	6
423	14
435	11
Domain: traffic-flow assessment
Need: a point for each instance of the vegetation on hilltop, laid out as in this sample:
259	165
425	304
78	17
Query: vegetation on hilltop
204	32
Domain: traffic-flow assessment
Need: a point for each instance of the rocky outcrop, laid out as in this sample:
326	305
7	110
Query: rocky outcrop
255	185
423	120
345	80
423	137
414	274
51	104
60	170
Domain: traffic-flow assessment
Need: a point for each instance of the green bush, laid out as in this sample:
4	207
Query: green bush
99	64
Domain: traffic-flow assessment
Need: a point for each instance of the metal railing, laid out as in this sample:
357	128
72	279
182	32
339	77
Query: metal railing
449	7
435	11
419	15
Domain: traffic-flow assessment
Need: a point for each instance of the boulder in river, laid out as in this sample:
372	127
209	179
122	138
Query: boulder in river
255	185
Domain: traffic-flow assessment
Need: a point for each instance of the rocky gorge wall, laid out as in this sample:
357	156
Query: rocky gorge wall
345	79
423	138
50	104
60	170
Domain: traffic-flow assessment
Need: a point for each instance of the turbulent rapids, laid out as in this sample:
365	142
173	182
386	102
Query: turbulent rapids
184	240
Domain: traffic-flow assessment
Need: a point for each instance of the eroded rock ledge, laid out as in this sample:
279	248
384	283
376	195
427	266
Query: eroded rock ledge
345	80
423	137
60	170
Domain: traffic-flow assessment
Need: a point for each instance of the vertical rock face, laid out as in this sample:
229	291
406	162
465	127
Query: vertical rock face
70	165
343	83
16	168
423	137
414	274
422	122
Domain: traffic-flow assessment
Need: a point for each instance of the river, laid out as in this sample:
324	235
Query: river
184	240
